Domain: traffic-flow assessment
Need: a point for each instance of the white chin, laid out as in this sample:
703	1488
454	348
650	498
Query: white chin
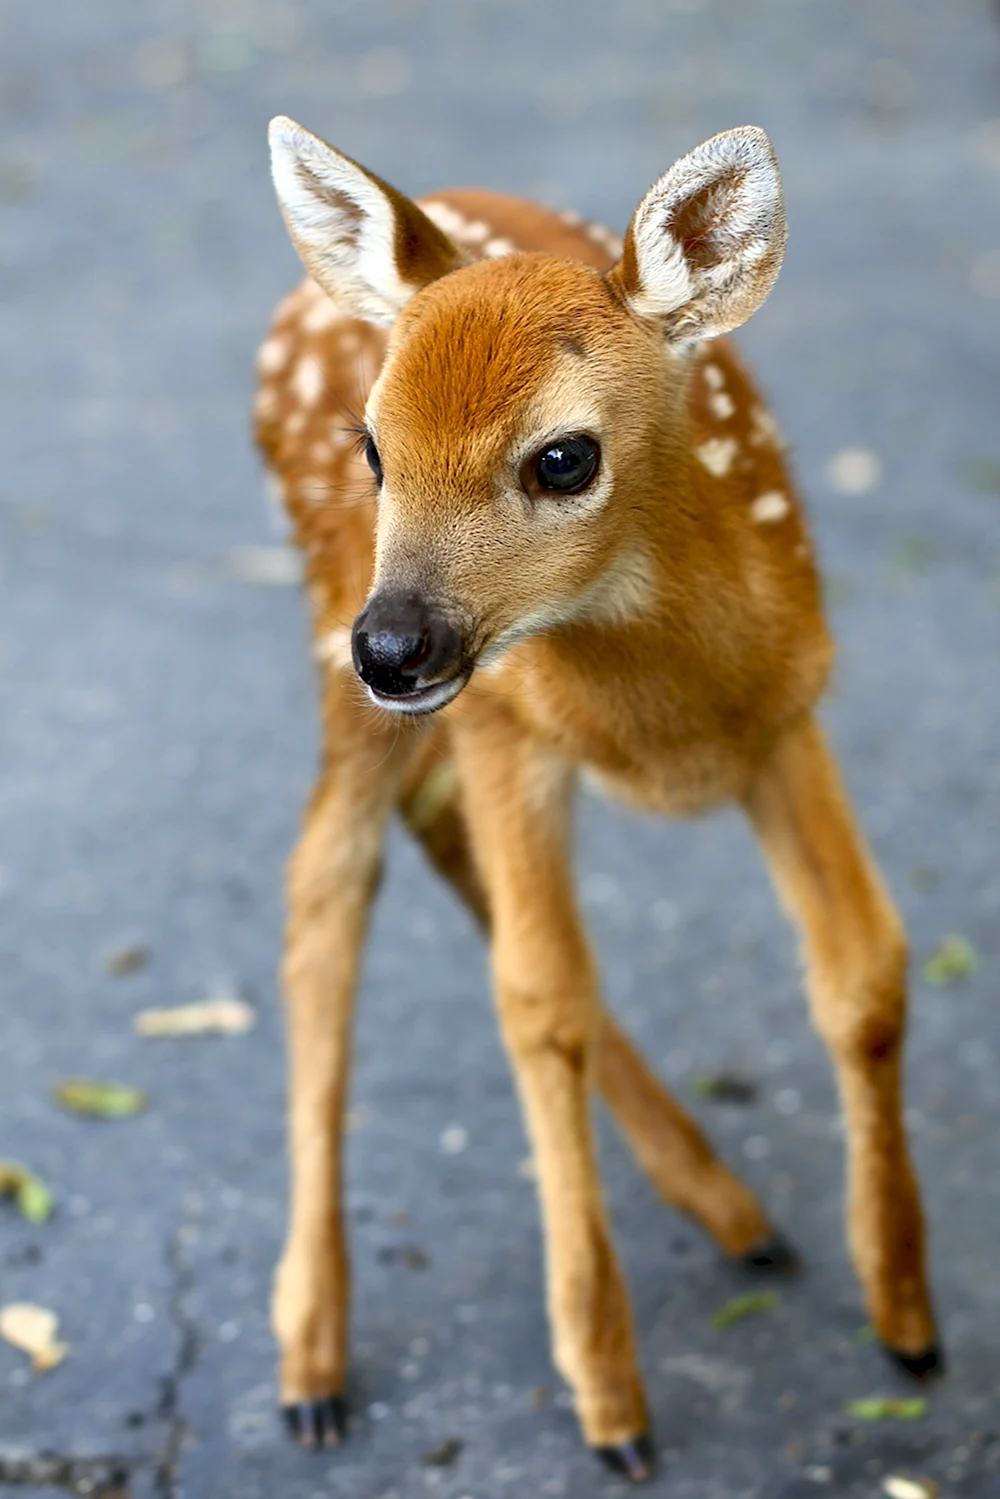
428	700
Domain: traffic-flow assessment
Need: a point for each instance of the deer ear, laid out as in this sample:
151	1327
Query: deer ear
706	243
369	247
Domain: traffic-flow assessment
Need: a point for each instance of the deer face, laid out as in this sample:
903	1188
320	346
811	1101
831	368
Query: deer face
512	425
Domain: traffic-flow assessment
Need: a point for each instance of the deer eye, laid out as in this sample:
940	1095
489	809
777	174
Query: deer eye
374	461
567	466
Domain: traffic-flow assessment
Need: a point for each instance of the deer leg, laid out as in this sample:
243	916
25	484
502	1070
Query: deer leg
517	806
856	955
664	1138
331	880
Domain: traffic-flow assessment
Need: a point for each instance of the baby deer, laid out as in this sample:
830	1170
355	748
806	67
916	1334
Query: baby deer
585	551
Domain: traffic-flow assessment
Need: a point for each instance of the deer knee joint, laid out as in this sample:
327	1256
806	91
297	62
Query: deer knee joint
534	1022
865	1014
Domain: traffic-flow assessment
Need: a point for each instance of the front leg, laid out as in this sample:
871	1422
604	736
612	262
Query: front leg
517	803
331	879
855	950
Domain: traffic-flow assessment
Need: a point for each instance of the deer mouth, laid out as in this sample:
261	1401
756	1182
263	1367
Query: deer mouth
427	698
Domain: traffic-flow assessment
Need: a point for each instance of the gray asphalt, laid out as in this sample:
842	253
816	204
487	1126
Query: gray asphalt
158	734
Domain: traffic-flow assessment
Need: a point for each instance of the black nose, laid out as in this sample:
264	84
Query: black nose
401	644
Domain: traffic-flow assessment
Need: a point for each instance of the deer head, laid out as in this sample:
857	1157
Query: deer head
526	429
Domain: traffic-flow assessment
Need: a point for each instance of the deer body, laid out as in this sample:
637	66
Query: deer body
587	556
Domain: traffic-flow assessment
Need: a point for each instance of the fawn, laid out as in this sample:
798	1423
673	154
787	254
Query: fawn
578	547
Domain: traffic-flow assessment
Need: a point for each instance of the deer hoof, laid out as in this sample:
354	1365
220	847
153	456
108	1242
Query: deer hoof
775	1256
926	1365
633	1460
317	1423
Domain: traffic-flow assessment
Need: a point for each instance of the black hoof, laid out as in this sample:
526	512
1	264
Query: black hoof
926	1365
633	1460
775	1256
317	1423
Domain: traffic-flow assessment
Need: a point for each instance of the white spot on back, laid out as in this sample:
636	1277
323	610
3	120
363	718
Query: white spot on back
494	248
770	507
308	380
721	404
764	430
717	455
714	378
313	488
447	219
272	356
322	315
606	238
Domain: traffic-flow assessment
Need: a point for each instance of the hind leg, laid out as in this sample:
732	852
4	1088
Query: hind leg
665	1139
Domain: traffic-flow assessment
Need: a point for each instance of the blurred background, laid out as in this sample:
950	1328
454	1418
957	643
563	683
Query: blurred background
157	734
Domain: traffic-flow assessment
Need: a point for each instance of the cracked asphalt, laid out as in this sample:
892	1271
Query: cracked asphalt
158	732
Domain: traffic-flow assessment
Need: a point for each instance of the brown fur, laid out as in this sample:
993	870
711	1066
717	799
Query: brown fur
687	677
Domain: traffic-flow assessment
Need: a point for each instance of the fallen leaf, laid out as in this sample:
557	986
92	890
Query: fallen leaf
910	1488
32	1196
225	1016
33	1330
865	1334
981	474
913	554
725	1087
887	1410
276	567
444	1455
745	1306
121	961
953	958
99	1100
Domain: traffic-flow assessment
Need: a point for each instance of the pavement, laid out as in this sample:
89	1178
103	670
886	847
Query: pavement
158	734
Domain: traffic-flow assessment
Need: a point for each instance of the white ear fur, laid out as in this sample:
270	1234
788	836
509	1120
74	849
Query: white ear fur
706	243
369	248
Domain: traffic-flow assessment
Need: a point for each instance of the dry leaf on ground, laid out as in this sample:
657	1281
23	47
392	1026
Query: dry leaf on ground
99	1100
32	1196
897	1487
887	1410
225	1016
443	1456
745	1306
33	1329
121	961
953	958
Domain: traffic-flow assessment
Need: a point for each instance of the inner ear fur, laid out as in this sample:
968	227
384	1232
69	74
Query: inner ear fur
368	245
706	243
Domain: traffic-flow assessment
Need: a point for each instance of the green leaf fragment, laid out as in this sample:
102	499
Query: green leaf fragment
865	1334
981	474
725	1087
100	1100
33	1198
887	1410
953	958
914	554
745	1306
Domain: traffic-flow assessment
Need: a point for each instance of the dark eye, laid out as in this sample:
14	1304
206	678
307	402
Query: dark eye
374	461
567	466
